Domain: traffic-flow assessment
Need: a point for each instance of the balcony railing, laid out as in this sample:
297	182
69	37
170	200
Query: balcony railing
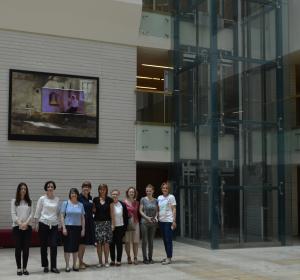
157	25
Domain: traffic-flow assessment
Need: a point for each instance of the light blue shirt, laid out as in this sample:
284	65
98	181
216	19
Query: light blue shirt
72	213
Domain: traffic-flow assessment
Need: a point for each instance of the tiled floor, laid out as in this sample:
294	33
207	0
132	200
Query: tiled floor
190	262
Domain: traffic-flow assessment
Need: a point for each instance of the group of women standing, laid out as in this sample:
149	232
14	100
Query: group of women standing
104	221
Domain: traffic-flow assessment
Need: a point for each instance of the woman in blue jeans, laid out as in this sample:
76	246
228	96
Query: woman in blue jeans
167	219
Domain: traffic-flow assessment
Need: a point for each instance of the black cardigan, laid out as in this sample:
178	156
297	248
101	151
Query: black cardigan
125	215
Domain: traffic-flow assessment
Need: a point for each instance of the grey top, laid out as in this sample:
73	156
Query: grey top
149	208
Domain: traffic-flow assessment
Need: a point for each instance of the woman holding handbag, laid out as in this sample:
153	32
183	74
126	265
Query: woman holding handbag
132	235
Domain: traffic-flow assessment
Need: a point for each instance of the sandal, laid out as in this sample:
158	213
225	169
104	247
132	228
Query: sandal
82	266
129	261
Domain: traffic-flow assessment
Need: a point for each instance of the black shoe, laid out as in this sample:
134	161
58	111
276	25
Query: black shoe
67	269
151	261
55	270
25	272
145	261
19	272
46	269
75	269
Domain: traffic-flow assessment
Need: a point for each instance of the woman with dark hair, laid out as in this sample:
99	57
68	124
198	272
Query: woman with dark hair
132	235
103	210
119	225
73	225
167	219
46	221
89	233
21	213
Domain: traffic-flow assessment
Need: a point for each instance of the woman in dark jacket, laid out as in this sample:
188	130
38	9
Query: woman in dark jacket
89	238
119	225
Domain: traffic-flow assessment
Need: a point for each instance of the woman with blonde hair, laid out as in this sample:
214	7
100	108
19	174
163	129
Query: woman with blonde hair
132	235
119	225
167	219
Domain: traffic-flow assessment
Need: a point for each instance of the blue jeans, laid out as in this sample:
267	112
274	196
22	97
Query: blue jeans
167	234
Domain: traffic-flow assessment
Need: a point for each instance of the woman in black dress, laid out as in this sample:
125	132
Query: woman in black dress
103	210
89	238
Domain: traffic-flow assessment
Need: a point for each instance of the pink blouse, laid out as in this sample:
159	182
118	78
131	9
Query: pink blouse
133	209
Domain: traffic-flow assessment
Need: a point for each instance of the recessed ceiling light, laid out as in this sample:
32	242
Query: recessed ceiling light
157	66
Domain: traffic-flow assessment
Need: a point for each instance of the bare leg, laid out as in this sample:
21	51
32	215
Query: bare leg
135	249
127	249
75	256
106	251
99	252
81	251
67	259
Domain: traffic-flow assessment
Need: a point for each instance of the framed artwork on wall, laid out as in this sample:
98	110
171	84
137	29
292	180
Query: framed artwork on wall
53	107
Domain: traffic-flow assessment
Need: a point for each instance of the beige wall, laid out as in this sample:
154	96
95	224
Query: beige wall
112	161
102	20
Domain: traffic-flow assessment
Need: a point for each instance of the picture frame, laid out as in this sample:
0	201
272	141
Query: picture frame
53	107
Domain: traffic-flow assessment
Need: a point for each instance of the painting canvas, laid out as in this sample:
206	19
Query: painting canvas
53	107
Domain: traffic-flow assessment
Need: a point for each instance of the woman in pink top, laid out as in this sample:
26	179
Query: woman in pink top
132	234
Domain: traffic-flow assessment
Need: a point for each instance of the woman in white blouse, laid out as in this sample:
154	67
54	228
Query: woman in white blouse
167	219
46	220
119	227
21	213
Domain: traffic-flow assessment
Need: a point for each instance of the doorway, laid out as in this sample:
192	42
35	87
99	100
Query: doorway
151	173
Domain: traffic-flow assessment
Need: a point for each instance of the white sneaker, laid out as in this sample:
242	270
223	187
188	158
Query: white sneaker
99	265
106	264
166	261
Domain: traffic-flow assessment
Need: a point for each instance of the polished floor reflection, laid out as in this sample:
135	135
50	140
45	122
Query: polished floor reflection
190	262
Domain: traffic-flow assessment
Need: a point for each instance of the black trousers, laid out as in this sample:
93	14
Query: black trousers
118	235
48	237
22	238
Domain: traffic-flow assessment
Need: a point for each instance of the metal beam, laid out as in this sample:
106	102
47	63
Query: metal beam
214	209
280	129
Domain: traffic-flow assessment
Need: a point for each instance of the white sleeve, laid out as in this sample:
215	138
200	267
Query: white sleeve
30	214
172	200
58	209
14	211
39	207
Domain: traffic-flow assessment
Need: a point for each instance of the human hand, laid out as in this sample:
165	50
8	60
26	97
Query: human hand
23	226
82	232
173	226
65	232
